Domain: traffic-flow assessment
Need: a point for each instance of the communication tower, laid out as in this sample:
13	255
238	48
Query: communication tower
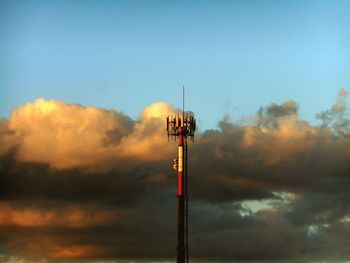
180	127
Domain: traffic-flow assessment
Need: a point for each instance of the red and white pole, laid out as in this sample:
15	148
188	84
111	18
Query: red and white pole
182	127
181	200
180	164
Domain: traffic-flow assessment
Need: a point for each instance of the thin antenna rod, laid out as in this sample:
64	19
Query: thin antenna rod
185	181
183	102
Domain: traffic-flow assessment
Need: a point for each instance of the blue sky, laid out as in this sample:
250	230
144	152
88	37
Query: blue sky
232	56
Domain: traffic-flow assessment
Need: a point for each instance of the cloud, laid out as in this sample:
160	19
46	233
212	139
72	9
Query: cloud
8	140
87	183
335	118
68	216
82	251
69	135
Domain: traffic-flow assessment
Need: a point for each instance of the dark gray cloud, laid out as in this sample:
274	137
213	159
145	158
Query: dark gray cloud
268	116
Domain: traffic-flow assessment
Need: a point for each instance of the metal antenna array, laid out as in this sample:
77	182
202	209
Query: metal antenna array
180	128
188	123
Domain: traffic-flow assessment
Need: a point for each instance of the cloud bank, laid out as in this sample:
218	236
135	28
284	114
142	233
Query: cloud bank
83	183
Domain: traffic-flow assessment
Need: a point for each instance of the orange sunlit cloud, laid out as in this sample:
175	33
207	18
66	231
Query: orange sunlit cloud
37	248
290	138
78	251
73	216
69	135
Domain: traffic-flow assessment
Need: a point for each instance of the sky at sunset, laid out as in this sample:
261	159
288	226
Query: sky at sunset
85	165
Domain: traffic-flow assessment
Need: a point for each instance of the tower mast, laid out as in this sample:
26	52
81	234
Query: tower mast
180	127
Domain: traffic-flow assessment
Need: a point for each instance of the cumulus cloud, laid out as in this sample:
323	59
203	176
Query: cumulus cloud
69	135
84	183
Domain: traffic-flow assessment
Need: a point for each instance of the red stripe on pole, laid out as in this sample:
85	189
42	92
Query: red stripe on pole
179	184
